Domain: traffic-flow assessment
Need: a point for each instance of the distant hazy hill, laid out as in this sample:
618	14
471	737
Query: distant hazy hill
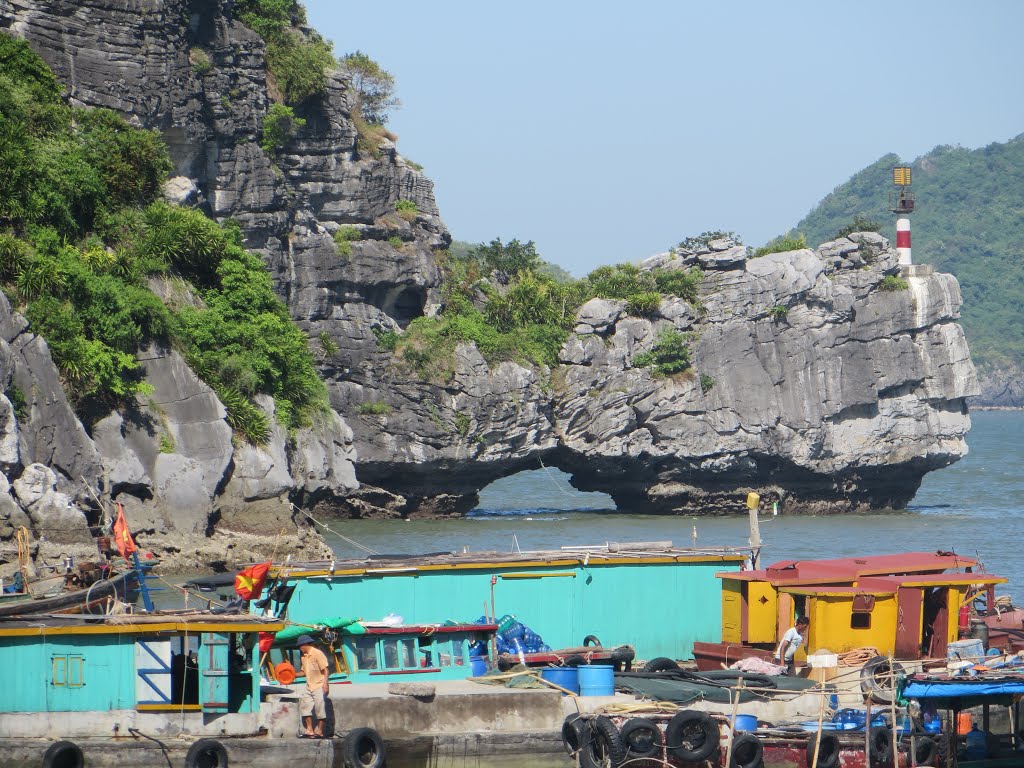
969	221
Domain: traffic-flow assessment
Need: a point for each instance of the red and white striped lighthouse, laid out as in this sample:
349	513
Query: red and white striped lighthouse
903	241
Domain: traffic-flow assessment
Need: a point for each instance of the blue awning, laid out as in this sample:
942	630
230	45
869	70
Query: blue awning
964	693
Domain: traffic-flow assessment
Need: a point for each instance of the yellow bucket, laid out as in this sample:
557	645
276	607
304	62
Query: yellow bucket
753	500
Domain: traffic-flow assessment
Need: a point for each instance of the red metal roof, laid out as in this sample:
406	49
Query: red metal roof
850	569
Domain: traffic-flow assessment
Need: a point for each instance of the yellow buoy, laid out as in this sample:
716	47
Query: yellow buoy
753	500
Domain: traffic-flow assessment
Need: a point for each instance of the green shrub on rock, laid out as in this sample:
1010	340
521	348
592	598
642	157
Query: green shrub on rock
280	125
299	65
407	209
670	353
644	302
893	283
783	243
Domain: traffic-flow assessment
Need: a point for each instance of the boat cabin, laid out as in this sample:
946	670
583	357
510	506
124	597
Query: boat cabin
367	652
564	595
195	662
907	605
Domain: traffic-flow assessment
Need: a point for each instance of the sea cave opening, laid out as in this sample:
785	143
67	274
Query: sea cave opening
538	491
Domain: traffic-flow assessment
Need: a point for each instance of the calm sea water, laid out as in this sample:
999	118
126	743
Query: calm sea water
975	507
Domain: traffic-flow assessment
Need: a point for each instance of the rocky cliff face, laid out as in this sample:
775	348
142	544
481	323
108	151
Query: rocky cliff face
809	383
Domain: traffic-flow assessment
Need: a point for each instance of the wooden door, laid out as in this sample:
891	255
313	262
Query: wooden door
940	626
214	683
909	605
152	671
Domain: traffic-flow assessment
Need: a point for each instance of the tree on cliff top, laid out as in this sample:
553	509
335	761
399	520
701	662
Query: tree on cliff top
373	86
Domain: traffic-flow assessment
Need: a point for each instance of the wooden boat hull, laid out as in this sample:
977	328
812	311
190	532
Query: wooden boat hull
123	586
711	656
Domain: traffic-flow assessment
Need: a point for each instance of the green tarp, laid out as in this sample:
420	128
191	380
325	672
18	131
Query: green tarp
289	635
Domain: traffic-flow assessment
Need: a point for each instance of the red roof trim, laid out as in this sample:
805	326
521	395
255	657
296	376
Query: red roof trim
851	569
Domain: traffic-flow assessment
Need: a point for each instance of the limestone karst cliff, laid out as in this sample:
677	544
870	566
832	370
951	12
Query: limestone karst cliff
809	382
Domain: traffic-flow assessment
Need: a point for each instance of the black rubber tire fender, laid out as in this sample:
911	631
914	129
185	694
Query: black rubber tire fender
604	749
747	751
623	653
692	736
641	737
363	748
877	669
591	640
660	664
206	753
828	752
575	733
63	754
881	745
925	750
622	658
574	660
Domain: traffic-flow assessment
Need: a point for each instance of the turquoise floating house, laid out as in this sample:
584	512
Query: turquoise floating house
652	596
195	663
151	691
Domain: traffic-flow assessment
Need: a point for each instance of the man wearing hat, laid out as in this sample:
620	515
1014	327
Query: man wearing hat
314	667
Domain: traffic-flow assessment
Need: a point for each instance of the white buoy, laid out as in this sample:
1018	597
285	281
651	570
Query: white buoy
903	241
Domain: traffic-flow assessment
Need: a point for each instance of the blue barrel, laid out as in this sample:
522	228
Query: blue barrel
746	723
565	677
478	665
597	680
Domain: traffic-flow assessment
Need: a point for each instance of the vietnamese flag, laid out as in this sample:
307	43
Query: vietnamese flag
249	583
266	641
122	536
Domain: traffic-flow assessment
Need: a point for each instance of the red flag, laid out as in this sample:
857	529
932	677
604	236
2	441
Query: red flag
122	536
266	641
249	583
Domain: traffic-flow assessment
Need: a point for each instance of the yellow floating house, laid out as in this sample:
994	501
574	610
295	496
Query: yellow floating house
907	605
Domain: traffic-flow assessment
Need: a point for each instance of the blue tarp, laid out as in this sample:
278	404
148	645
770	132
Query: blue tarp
921	690
974	691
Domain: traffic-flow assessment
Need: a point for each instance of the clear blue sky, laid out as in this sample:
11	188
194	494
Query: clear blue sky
607	132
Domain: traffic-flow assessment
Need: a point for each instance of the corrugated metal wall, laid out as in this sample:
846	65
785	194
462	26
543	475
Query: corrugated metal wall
70	674
659	608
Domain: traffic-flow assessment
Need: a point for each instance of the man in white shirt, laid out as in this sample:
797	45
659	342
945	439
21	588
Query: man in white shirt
791	641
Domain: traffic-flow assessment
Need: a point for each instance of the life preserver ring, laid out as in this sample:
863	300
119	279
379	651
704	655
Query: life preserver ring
604	747
660	664
881	745
575	732
63	754
641	737
206	753
828	751
363	748
691	736
747	751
